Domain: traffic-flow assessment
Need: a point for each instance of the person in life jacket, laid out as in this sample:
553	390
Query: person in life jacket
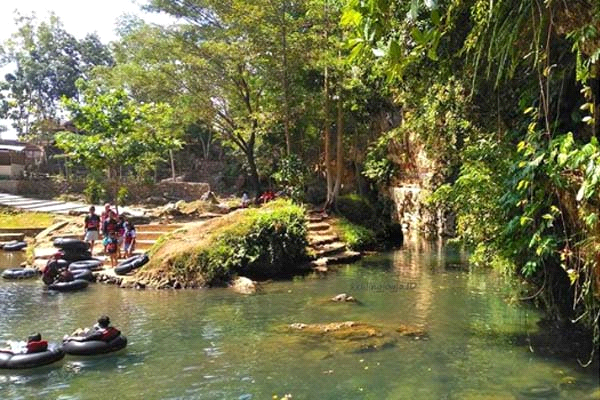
51	271
129	239
35	344
100	331
112	248
109	226
91	227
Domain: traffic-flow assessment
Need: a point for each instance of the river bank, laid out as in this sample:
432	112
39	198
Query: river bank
192	246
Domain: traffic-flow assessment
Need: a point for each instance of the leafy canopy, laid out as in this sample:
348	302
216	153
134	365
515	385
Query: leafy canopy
115	131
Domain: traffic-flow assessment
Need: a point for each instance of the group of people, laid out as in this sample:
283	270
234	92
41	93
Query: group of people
265	197
116	232
102	331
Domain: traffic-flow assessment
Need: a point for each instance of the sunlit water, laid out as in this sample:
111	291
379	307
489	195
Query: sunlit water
214	344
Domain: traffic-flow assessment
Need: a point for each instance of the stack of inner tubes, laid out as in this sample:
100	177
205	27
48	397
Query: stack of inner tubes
93	347
14	246
85	274
20	273
83	269
73	249
131	263
90	265
10	360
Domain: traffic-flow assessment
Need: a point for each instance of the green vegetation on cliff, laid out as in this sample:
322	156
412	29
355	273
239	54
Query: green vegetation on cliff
263	242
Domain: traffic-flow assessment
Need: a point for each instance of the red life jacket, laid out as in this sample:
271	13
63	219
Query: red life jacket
109	334
92	222
111	247
129	236
36	347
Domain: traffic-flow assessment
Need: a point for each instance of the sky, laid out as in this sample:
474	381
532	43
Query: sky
79	17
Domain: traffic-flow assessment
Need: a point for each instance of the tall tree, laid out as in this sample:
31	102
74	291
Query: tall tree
114	132
232	53
47	61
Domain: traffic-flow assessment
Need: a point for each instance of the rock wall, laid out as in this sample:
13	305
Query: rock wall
417	179
414	214
49	188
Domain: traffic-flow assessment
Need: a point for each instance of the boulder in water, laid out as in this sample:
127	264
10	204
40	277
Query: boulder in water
343	297
245	285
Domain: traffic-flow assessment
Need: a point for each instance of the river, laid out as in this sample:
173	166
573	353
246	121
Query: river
215	344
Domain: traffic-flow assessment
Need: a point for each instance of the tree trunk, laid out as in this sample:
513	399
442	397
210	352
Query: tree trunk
286	105
339	148
172	164
327	138
254	179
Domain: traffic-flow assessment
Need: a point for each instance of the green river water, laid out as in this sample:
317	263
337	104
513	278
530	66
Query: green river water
215	344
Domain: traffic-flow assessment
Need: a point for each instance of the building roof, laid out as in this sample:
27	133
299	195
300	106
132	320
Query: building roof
9	147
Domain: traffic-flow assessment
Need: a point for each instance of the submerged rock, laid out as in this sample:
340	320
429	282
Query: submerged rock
347	336
245	285
414	331
343	297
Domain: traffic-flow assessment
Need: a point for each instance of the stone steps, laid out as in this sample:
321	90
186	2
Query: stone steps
319	240
325	245
329	249
318	226
9	237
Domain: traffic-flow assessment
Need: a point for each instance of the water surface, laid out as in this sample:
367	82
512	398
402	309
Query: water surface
214	344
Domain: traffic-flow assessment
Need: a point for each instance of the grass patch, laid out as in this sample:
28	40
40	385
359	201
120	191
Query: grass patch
260	242
357	237
13	219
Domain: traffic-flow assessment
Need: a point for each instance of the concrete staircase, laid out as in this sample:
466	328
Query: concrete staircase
325	245
147	235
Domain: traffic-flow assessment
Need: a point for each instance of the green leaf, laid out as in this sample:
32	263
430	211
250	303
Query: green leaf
395	51
435	17
418	36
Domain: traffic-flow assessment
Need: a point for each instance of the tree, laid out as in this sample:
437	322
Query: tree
233	53
47	61
116	132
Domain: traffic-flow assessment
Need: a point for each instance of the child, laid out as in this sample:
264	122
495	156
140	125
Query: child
112	248
129	239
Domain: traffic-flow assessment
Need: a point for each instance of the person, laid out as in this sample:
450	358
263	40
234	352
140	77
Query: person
51	271
100	331
121	226
245	199
112	248
105	214
109	226
91	227
129	239
35	344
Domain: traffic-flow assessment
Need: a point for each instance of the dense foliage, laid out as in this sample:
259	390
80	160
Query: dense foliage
503	96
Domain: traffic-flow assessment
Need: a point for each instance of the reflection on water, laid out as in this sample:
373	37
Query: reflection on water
11	259
214	344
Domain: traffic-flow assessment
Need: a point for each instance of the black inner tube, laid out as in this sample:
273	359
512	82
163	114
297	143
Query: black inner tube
93	347
69	286
11	360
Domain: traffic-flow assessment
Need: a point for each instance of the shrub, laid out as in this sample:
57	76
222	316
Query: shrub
357	237
94	190
263	242
356	209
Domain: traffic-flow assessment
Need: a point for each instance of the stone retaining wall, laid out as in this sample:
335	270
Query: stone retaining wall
49	188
